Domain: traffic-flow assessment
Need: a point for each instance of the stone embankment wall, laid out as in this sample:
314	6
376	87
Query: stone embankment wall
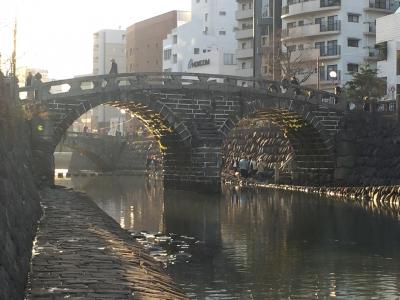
266	143
19	201
367	152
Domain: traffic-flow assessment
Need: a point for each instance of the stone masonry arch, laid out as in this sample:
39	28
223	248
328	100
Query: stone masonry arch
190	114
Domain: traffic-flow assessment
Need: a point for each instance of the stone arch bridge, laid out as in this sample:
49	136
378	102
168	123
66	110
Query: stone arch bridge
191	115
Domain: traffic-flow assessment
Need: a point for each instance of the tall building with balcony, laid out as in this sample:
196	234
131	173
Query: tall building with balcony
257	33
388	41
206	44
144	41
333	35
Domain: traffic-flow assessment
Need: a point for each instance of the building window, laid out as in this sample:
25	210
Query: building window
205	17
332	47
222	13
301	23
398	62
167	54
352	68
175	39
243	65
244	6
352	42
229	59
354	18
300	47
250	5
321	47
243	45
222	32
175	58
196	50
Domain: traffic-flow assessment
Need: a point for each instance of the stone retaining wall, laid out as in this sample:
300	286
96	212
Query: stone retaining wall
19	201
367	152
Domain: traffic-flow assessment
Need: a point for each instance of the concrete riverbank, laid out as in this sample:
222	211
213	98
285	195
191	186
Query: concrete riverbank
82	253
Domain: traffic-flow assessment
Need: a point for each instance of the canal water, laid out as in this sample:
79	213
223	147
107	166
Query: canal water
257	244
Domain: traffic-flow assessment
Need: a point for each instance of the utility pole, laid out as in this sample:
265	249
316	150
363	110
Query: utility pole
14	54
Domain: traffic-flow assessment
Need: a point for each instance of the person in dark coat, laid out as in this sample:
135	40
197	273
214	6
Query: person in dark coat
28	80
114	67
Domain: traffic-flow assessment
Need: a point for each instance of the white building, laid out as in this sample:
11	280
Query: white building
107	44
206	44
340	34
388	39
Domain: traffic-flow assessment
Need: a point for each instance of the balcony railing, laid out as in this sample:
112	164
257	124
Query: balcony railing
322	4
310	29
330	26
371	27
327	3
375	54
329	50
382	4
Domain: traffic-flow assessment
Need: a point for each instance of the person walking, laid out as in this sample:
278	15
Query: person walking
114	67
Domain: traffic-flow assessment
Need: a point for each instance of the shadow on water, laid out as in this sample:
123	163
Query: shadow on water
260	244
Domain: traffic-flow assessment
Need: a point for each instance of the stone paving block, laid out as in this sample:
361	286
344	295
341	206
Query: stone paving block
82	253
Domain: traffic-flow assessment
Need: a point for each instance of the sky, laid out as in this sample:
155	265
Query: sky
57	35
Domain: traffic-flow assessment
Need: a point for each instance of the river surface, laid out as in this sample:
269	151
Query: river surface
257	244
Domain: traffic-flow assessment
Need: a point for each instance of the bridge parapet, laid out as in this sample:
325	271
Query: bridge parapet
70	88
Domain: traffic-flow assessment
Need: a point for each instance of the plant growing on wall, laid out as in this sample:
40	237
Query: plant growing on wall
365	85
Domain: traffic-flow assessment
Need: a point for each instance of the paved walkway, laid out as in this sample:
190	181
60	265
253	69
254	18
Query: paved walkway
82	253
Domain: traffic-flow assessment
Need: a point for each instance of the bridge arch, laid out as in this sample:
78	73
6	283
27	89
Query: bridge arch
304	124
190	114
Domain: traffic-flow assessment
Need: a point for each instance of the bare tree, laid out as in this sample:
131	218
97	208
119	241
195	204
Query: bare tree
291	63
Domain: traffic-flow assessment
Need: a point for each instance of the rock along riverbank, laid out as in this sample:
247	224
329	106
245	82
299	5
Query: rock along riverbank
82	253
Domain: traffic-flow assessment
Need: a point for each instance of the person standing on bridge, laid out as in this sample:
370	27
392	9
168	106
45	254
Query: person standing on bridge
114	67
28	80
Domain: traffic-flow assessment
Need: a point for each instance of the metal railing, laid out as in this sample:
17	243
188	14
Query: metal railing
323	27
329	50
383	4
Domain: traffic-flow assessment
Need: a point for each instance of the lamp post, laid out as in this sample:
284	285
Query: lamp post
333	75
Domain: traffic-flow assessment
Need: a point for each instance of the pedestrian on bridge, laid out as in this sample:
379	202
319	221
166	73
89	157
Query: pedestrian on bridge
28	80
114	67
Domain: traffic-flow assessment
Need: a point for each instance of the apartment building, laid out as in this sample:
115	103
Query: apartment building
206	44
388	40
108	44
144	41
257	33
336	36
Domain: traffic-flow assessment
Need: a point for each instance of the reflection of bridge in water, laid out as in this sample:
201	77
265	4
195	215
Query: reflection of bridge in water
190	115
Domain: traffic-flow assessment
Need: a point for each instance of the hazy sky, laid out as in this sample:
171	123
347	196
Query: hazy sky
57	35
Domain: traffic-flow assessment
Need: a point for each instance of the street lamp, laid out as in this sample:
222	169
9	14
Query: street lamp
333	75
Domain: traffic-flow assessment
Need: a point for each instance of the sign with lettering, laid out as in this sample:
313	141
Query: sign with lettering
198	63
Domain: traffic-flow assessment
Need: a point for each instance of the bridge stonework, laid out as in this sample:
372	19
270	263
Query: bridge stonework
191	115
